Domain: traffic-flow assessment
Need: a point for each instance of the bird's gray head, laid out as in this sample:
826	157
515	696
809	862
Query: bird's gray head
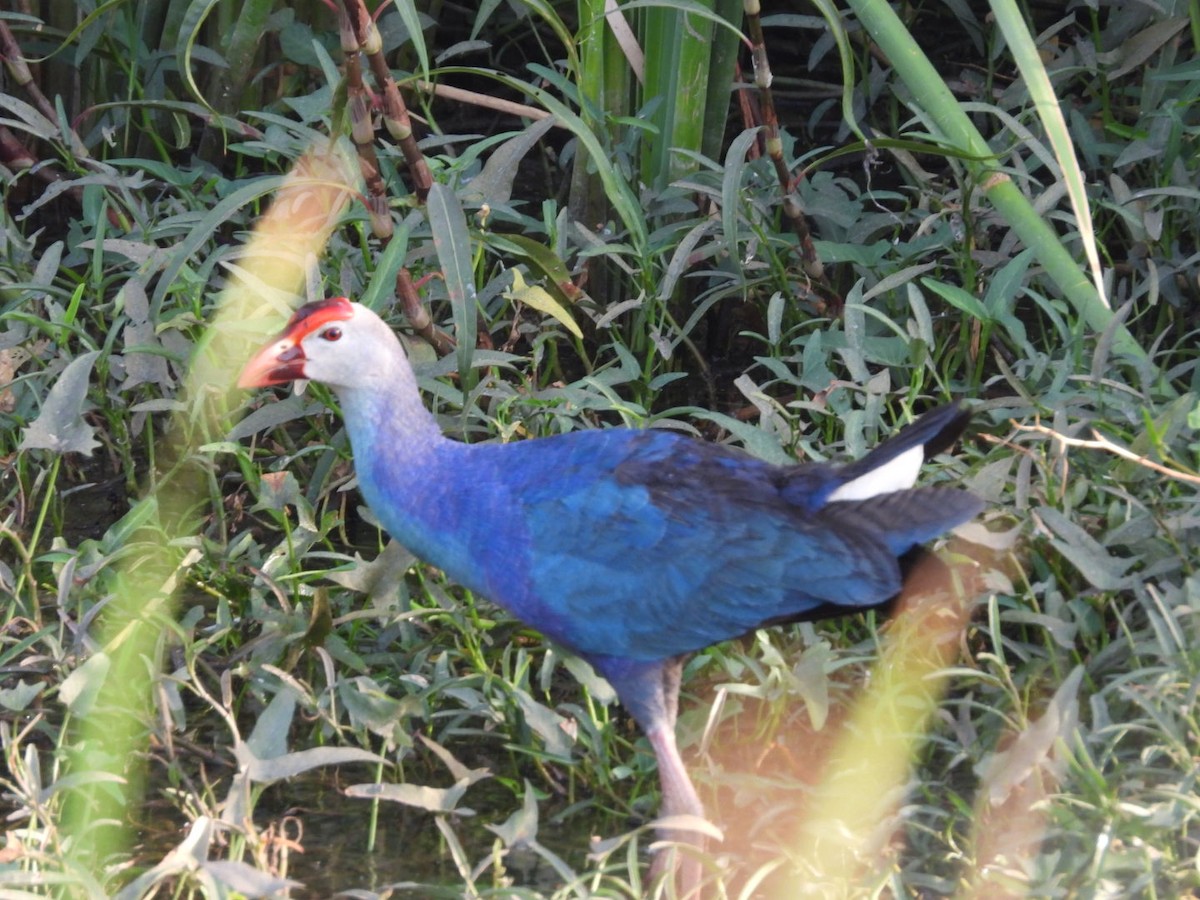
336	342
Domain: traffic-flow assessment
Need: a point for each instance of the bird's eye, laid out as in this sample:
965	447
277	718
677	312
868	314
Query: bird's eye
332	333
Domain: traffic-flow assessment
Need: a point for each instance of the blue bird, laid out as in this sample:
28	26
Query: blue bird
630	548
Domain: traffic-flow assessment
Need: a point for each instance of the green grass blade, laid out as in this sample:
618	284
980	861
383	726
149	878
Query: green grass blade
677	76
945	114
833	19
731	191
453	246
617	188
1041	91
412	22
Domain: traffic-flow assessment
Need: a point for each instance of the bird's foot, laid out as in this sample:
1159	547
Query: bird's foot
679	854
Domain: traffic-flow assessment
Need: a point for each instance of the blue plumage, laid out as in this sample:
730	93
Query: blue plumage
645	544
631	548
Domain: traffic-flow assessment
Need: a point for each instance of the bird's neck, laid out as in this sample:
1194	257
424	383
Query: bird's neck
385	416
408	472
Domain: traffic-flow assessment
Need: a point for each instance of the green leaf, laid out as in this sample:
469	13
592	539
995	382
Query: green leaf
205	230
1038	746
289	765
452	244
269	737
1193	418
1029	61
521	828
732	193
81	687
379	577
264	757
539	298
541	259
422	796
616	187
548	725
458	771
383	278
190	29
60	426
1085	553
18	697
494	183
245	880
277	491
1006	284
833	21
959	299
757	442
416	32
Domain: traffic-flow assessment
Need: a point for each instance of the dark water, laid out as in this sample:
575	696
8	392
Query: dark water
409	846
329	838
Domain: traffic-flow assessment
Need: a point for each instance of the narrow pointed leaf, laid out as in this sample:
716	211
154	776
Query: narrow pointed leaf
539	298
453	246
60	425
422	796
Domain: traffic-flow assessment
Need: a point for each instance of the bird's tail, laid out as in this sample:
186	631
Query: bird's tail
903	519
894	464
934	431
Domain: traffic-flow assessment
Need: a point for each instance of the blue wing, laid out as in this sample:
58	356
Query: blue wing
644	545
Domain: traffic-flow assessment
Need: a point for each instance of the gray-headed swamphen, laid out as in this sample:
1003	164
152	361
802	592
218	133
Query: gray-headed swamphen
630	548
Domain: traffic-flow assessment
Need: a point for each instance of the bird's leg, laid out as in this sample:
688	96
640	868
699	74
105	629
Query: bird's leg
650	691
679	797
672	678
678	792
